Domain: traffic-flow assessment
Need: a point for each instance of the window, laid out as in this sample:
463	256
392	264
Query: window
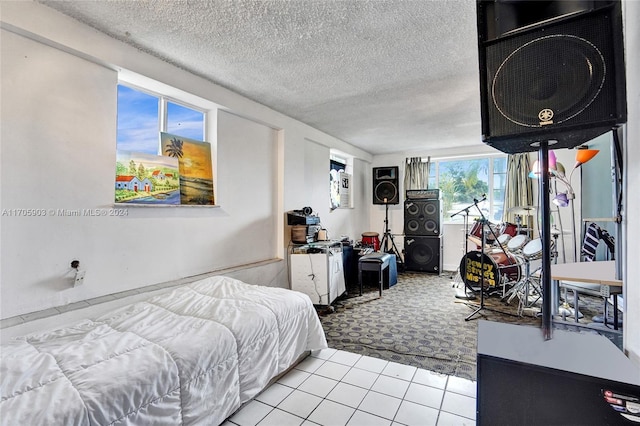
162	156
463	180
142	115
339	182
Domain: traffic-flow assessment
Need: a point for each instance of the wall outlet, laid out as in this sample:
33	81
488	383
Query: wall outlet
79	278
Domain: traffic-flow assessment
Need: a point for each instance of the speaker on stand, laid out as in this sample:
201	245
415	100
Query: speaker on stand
551	75
551	70
385	185
422	230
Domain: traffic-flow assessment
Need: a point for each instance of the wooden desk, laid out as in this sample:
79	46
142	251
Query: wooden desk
599	272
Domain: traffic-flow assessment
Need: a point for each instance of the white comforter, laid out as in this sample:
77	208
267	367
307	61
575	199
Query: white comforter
192	355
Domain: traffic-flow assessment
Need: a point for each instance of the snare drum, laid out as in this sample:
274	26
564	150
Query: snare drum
371	239
503	239
499	268
516	243
533	249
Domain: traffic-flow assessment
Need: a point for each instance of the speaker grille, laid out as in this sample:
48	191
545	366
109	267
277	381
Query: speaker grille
386	192
423	254
548	80
422	217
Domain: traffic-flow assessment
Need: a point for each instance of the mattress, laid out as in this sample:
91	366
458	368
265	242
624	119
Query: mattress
191	356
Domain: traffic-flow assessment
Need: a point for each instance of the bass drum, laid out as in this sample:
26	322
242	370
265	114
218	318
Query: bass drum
499	268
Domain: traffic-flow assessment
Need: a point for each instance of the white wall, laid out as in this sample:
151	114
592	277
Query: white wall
58	152
632	182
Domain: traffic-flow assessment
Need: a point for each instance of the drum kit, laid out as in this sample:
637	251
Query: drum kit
505	263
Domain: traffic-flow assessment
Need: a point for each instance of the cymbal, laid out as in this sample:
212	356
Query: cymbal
523	210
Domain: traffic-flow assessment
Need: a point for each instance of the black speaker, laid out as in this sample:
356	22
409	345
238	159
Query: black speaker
423	254
423	217
549	70
385	185
526	380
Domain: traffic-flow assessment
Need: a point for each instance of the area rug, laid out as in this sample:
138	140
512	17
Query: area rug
420	322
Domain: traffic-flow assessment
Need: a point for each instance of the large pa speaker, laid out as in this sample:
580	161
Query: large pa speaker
385	185
423	217
423	254
549	70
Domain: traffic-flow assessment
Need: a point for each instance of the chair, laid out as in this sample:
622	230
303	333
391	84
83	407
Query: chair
593	235
378	262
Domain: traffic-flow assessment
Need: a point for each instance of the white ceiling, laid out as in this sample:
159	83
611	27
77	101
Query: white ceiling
388	76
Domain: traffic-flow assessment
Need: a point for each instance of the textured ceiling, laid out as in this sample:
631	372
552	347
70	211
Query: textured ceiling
386	76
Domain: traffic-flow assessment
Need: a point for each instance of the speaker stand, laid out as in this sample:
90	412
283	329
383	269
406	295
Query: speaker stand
388	245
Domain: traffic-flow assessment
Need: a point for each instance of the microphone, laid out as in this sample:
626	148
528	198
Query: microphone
484	197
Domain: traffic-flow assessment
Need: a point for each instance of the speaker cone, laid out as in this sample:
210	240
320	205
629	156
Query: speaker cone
548	80
386	191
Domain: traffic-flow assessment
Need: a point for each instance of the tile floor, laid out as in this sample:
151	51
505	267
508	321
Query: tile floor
335	388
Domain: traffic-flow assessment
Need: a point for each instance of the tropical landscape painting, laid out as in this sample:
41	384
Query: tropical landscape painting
194	162
146	178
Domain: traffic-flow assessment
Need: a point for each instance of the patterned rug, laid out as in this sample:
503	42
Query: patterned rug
420	322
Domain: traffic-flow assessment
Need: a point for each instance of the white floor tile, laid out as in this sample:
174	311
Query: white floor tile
380	405
400	371
347	394
336	388
390	386
294	378
360	418
300	403
462	386
424	395
281	418
430	378
274	394
362	378
251	414
346	358
323	353
374	365
310	364
416	415
318	385
461	405
330	413
332	370
448	419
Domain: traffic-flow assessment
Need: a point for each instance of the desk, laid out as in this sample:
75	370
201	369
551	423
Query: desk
602	273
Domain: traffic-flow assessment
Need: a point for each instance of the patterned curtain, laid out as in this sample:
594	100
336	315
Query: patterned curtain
518	188
416	173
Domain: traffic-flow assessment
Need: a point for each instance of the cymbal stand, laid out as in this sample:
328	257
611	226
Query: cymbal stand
387	238
481	307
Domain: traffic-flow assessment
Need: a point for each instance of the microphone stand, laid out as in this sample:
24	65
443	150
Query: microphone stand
468	292
483	222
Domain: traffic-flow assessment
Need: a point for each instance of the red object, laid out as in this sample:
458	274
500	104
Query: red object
371	239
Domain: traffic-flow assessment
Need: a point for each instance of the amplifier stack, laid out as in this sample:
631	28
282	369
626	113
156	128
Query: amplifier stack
422	230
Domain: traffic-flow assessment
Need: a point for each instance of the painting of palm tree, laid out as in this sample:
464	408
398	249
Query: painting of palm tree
174	149
195	165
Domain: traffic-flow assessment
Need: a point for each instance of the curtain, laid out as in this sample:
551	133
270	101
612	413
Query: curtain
518	188
416	173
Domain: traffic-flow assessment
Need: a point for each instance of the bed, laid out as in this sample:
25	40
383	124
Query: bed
190	356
